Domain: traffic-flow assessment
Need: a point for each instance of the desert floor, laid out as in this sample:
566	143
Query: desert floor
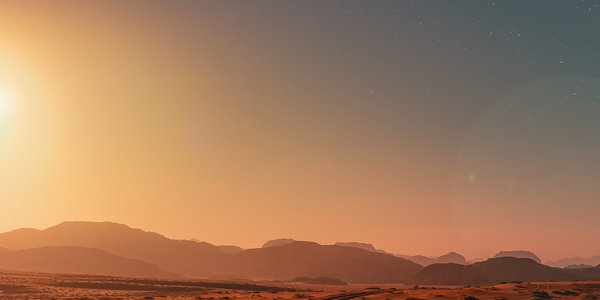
25	285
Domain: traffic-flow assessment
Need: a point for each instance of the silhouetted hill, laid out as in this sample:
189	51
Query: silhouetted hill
177	256
497	270
78	260
201	259
561	263
519	254
230	249
446	274
4	250
585	273
364	246
419	259
311	259
277	242
451	257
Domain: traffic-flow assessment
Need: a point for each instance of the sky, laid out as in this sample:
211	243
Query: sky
419	126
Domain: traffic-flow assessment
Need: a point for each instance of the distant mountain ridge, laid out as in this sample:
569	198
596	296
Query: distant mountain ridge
519	254
364	246
79	260
424	261
121	240
277	242
451	257
497	270
116	249
298	259
562	263
201	259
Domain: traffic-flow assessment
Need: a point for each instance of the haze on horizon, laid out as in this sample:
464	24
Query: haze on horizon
421	127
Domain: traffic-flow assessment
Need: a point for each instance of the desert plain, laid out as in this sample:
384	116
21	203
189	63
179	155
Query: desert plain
29	285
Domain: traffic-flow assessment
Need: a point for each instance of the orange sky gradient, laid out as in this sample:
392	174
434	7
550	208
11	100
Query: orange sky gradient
220	127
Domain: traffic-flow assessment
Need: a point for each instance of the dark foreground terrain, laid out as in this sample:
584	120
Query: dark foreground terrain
23	285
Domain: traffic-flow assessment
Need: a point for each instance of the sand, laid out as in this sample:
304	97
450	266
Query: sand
28	285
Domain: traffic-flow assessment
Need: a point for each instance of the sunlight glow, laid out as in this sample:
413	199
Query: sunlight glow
4	103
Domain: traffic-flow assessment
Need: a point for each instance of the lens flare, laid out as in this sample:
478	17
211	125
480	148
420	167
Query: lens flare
4	104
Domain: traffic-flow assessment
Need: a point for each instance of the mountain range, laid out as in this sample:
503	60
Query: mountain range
451	257
200	259
573	261
498	270
115	249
